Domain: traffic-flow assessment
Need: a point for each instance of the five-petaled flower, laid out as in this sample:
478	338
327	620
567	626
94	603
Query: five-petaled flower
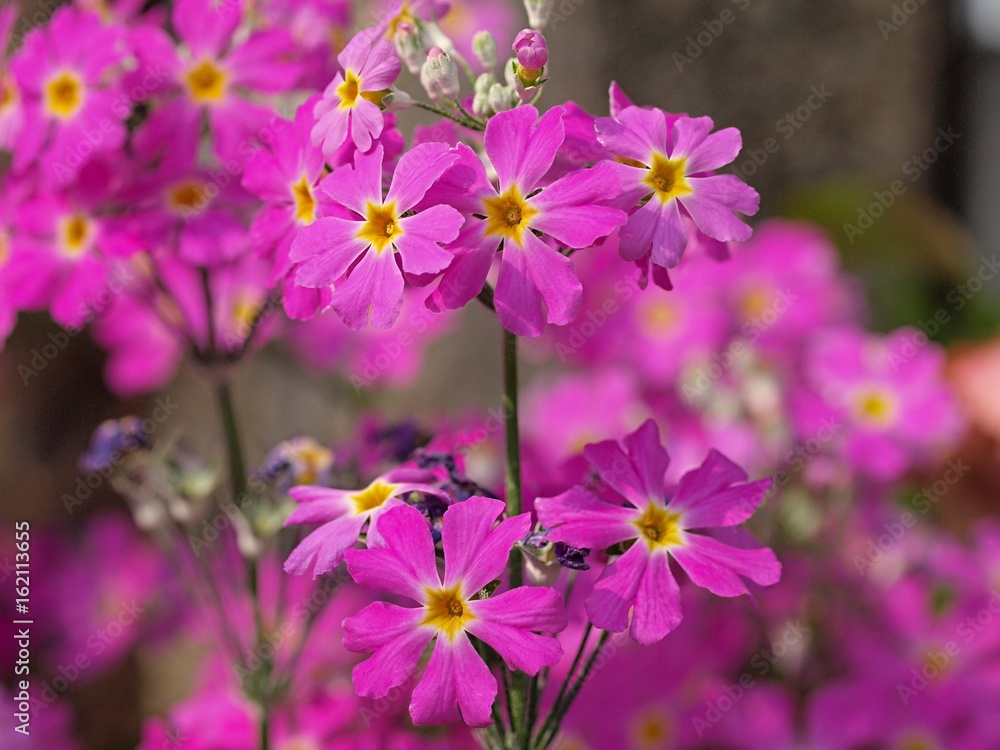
343	514
661	521
571	211
358	254
518	624
666	165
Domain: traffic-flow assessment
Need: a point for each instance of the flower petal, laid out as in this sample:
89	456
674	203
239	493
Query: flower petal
649	457
717	567
614	593
570	210
657	602
373	291
474	552
418	244
397	641
580	519
522	146
324	549
506	622
456	679
325	249
317	504
717	494
404	561
416	172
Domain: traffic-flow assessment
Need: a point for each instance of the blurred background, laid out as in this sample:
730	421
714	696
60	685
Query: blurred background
835	101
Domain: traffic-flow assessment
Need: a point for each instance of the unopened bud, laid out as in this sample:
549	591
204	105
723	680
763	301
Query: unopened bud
410	45
484	47
397	100
532	55
439	75
539	12
501	98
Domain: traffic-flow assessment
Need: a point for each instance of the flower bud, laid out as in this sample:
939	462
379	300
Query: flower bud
538	13
481	102
532	55
484	47
501	98
410	45
396	100
439	75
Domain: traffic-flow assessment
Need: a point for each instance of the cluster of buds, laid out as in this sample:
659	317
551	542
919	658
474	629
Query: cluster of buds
523	74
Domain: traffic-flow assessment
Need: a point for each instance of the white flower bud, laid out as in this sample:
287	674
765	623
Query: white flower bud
501	98
439	75
397	100
539	12
484	47
410	46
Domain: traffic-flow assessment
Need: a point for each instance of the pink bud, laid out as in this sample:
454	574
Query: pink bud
531	50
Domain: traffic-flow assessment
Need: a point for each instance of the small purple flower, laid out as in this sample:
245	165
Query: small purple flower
532	52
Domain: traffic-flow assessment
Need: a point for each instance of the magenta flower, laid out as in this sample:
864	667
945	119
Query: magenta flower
67	75
351	104
456	683
661	521
888	393
667	164
215	74
532	53
359	254
11	111
571	211
344	513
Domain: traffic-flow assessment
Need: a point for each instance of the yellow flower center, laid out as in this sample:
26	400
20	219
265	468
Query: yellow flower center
8	91
206	82
405	15
875	406
381	226
305	202
312	458
916	742
350	91
654	730
667	178
509	215
756	302
373	496
63	95
659	316
75	234
245	311
447	611
188	197
659	527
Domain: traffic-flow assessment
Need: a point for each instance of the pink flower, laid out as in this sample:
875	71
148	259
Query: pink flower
351	105
456	683
359	254
661	520
210	76
67	75
522	148
344	513
668	162
11	111
888	393
531	50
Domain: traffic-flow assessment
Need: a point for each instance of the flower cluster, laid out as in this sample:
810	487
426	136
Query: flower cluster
198	182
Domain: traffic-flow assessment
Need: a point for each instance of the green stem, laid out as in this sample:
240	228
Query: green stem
518	705
238	480
463	121
545	741
564	688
